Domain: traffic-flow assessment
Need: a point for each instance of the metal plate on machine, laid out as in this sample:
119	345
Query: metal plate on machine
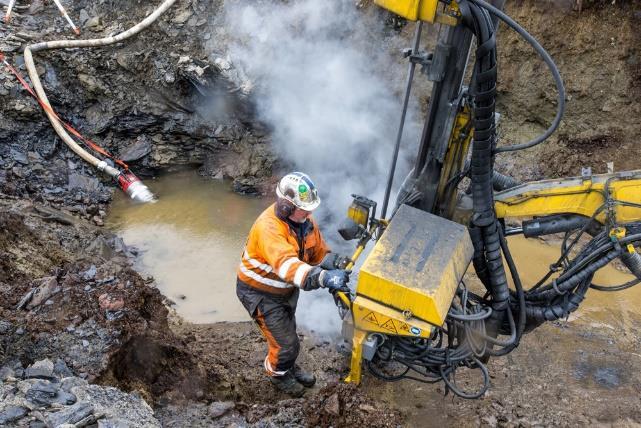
417	264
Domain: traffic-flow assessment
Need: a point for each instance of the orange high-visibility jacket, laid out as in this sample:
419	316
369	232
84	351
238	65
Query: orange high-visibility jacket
274	260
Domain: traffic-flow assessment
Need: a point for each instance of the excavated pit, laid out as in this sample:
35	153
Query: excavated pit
167	100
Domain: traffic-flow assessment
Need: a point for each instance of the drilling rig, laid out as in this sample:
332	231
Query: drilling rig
411	315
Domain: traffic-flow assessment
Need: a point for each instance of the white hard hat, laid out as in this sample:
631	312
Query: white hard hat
300	190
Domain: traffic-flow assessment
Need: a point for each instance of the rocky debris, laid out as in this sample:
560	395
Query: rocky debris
12	414
63	316
111	303
219	408
68	400
45	393
47	288
40	369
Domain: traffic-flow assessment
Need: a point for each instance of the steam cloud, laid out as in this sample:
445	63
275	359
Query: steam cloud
323	82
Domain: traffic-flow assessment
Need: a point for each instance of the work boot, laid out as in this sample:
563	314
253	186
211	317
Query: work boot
307	379
288	384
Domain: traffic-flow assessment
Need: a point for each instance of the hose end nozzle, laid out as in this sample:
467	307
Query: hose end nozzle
132	186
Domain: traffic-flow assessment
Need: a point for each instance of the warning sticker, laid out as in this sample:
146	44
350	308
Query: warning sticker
371	318
403	327
389	325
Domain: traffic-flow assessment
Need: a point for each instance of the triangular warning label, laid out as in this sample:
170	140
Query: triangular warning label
371	318
404	327
389	325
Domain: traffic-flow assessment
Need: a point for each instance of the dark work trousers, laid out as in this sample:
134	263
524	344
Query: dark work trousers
276	318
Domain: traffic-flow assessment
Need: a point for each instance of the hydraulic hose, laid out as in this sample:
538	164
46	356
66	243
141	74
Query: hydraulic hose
135	189
503	182
563	286
548	61
633	262
538	314
483	89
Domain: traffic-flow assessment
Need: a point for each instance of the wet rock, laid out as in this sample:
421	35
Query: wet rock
12	414
100	248
114	315
118	407
40	369
19	157
110	303
98	221
182	16
84	17
87	184
6	372
5	327
26	299
119	245
68	384
47	288
332	405
61	369
139	149
71	415
245	186
94	24
219	408
90	273
42	393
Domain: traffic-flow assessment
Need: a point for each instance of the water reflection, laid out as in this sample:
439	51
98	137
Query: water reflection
190	241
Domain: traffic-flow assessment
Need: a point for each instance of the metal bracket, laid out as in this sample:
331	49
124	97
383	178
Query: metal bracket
432	64
440	60
586	173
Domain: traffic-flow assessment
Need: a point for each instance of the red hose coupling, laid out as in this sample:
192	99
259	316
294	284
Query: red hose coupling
132	186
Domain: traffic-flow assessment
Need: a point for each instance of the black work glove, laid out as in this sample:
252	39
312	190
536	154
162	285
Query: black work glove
334	280
334	261
312	282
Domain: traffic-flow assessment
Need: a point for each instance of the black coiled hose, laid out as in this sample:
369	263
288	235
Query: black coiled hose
484	229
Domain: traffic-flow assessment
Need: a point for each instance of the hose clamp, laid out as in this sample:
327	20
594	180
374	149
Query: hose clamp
102	165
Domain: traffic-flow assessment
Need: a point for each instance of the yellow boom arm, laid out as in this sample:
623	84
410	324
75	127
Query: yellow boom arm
584	196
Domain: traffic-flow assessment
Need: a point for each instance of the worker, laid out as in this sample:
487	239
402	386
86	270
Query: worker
285	252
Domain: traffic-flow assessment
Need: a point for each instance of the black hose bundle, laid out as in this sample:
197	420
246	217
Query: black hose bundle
484	228
461	344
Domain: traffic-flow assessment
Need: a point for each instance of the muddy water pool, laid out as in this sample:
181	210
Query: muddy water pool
190	241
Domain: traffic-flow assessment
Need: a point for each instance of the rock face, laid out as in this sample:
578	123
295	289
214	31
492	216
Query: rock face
154	110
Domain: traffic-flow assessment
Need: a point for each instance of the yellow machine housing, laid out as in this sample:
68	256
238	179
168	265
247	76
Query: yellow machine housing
408	281
423	10
417	264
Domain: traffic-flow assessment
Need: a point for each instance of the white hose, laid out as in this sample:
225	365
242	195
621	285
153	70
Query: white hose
35	80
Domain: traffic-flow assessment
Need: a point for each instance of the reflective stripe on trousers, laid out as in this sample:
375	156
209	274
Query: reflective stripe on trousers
276	318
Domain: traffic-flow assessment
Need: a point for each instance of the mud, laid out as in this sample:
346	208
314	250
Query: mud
68	290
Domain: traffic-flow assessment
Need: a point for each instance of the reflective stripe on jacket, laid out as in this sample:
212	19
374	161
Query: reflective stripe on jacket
275	259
